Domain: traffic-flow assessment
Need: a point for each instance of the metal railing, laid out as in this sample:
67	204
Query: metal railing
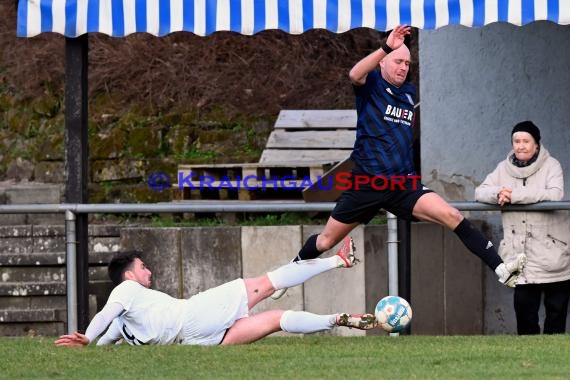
70	210
239	206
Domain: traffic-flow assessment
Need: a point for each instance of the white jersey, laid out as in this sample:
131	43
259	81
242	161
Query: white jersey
149	316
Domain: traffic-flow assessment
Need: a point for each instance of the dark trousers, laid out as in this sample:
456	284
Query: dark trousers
527	303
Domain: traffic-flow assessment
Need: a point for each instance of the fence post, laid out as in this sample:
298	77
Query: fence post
405	263
77	159
71	275
392	254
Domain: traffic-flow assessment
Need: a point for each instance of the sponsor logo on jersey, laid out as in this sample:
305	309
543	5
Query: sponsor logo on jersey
398	115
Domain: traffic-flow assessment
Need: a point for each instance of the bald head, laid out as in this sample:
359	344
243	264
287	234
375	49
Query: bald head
395	66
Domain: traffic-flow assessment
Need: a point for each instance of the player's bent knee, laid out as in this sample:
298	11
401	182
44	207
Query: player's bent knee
450	217
325	242
455	214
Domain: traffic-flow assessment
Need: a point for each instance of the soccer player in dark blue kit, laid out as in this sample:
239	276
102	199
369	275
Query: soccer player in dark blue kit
384	149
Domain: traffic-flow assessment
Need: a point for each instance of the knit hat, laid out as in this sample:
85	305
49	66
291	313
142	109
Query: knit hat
529	127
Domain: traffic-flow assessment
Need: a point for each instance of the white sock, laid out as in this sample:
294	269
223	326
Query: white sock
303	322
298	272
502	272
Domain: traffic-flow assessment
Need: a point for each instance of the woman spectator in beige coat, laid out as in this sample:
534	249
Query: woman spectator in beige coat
529	175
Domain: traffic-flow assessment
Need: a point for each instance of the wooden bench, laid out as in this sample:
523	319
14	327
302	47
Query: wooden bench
304	146
250	180
311	135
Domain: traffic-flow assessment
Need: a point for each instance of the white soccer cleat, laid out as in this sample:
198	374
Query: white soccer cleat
509	273
346	253
357	321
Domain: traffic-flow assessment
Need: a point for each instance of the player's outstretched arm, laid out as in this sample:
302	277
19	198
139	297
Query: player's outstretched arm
100	322
395	40
74	340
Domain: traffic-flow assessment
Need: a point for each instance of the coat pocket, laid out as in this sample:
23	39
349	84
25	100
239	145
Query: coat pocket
552	251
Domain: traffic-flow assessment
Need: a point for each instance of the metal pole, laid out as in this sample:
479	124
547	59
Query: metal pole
392	257
392	254
76	159
71	261
405	263
404	259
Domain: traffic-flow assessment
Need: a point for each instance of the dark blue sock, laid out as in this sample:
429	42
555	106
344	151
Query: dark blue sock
309	250
476	243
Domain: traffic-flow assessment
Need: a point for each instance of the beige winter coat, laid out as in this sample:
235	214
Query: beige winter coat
542	235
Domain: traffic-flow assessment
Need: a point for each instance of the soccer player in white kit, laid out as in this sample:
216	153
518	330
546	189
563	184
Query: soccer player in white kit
220	315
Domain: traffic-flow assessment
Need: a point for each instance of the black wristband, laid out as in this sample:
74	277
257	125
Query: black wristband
387	49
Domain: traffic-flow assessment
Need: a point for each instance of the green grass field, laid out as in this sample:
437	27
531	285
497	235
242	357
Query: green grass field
310	357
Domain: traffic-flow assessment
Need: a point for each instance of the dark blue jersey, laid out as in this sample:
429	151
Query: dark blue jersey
384	134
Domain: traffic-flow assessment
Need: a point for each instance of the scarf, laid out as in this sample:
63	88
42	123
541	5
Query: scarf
521	164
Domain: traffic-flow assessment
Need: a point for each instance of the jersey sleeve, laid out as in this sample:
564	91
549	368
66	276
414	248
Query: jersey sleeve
369	85
102	319
112	335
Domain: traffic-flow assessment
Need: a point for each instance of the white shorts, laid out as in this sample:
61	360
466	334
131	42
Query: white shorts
211	313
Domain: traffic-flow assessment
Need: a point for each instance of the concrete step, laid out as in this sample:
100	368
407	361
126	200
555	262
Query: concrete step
44	288
32	258
35	315
19	289
49	258
32	329
28	230
34	238
34	274
30	192
29	244
38	302
24	192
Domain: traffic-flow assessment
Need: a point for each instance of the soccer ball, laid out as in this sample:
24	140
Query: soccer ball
393	313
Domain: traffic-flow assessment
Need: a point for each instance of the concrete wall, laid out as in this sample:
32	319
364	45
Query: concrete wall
448	288
475	85
186	261
447	282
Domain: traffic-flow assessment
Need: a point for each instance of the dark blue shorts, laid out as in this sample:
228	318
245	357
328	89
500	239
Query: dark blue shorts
362	202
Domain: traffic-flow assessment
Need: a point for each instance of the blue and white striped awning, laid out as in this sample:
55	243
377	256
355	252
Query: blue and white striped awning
119	18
